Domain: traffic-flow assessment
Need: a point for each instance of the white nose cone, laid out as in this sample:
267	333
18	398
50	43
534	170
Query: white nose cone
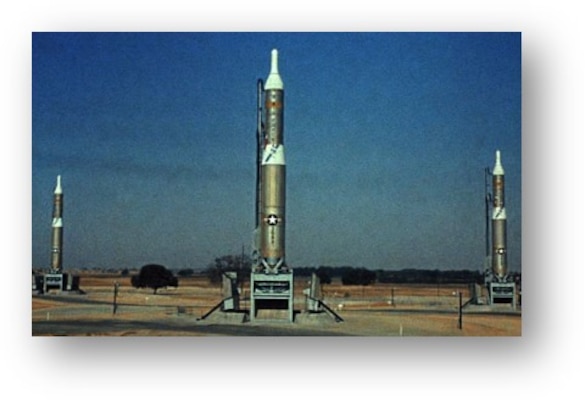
498	169
58	189
274	81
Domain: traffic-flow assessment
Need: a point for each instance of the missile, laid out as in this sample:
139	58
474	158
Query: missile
499	249
57	229
272	176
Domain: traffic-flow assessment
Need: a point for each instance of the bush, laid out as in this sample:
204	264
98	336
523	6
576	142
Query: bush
358	276
241	264
185	272
324	277
155	277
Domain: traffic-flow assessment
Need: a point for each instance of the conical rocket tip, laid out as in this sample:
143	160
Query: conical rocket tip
498	168
274	81
274	62
58	189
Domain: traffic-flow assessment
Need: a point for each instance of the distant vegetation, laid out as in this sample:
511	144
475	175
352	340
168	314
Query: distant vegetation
430	276
241	264
358	276
347	275
363	276
154	276
186	272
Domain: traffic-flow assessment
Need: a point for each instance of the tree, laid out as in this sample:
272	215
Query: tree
154	276
323	274
241	264
185	272
358	276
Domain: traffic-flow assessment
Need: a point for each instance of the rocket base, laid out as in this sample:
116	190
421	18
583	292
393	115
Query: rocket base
502	293
272	296
58	282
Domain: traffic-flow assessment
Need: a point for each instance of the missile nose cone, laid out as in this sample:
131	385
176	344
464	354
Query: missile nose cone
58	189
274	81
498	168
274	62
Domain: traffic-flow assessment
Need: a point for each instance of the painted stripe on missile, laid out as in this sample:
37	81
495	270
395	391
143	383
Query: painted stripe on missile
57	223
273	155
499	213
273	104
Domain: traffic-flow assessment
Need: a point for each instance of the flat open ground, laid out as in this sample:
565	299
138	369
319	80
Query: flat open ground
377	310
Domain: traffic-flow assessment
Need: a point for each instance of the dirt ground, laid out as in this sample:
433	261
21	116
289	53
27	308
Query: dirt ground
377	310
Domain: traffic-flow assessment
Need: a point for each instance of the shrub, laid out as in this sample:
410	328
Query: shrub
155	277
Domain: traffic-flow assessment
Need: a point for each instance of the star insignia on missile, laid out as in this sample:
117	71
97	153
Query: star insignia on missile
272	219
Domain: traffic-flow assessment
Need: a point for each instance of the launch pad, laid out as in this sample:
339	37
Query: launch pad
271	300
52	281
272	292
502	293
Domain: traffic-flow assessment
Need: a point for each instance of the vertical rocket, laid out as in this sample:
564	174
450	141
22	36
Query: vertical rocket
499	249
271	190
57	229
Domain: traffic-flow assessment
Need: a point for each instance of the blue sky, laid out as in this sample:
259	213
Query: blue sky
386	134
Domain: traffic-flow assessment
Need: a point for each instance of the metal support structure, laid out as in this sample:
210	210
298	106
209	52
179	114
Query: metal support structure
230	293
460	323
271	292
313	295
115	300
503	293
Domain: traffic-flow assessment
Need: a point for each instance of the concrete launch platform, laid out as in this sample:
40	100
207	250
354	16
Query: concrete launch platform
274	293
56	282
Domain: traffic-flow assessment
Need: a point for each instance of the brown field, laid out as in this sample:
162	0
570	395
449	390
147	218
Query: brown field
377	310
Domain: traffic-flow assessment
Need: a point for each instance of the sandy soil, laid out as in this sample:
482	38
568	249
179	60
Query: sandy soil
378	310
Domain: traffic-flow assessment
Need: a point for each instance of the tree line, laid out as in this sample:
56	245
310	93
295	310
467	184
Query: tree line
349	275
363	276
157	276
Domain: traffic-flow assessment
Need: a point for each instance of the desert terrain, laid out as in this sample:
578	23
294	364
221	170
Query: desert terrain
375	310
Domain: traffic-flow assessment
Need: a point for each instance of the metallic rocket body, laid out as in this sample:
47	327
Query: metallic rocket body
57	229
499	248
272	175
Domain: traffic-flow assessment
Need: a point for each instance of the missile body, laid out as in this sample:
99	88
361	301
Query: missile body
499	248
272	176
57	229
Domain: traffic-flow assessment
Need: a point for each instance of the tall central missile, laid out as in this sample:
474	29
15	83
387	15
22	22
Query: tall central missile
57	229
499	248
272	175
